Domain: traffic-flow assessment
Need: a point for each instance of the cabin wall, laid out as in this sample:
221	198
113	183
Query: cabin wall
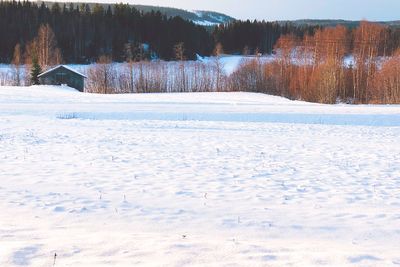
63	76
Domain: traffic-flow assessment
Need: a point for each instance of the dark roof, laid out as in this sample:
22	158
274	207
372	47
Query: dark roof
62	66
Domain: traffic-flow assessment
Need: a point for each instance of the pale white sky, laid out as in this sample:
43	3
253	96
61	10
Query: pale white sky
290	9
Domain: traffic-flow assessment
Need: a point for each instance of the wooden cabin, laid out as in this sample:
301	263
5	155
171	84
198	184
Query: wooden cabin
61	75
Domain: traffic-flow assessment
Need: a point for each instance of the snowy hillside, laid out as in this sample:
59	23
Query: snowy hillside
200	17
207	179
210	18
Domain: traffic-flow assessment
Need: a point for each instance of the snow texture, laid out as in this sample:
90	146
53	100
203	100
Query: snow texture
206	179
62	66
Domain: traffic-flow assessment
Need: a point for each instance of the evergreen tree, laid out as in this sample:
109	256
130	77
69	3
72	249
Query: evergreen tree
35	71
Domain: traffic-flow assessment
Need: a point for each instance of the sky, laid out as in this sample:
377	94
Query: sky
375	10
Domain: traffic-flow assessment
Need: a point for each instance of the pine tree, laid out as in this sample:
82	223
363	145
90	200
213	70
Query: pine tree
35	71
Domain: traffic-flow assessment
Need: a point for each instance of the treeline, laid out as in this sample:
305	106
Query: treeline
84	33
154	77
251	37
331	65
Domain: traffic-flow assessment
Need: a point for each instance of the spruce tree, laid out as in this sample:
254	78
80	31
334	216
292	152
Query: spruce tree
35	71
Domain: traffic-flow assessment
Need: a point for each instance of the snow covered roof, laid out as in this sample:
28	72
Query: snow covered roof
62	66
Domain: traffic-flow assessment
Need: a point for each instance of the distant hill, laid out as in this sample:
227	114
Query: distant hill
328	23
200	17
205	18
211	18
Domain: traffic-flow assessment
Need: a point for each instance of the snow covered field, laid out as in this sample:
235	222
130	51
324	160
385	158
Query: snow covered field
206	179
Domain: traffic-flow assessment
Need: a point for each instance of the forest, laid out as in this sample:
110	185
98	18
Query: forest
333	64
330	65
86	32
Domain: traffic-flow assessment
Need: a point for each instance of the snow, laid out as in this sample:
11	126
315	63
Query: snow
216	19
63	66
205	23
206	179
231	63
349	61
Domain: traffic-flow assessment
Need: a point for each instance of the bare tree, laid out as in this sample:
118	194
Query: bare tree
48	53
284	50
387	81
44	47
16	65
5	78
369	39
129	59
179	50
218	67
101	76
